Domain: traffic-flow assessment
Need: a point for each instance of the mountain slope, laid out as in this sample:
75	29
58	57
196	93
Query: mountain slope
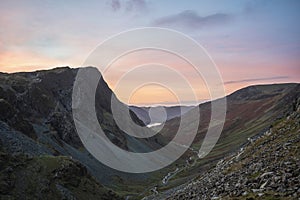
47	177
36	119
268	167
44	98
250	111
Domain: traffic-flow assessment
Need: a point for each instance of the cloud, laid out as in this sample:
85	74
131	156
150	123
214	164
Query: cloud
129	5
115	5
137	5
191	20
252	7
256	79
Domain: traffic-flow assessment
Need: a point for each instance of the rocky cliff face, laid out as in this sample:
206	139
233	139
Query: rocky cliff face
45	98
36	120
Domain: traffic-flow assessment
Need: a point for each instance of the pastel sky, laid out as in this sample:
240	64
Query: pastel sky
251	41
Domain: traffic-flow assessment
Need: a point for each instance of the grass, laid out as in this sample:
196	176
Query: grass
36	178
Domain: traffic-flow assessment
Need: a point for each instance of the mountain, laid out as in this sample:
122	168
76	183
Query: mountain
36	120
267	167
159	114
37	129
250	111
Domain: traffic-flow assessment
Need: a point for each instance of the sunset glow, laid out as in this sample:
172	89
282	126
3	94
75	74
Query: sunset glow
251	42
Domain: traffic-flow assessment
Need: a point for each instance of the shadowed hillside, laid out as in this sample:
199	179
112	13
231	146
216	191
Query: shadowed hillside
36	119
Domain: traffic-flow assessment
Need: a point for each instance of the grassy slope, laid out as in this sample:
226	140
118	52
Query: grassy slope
47	177
279	153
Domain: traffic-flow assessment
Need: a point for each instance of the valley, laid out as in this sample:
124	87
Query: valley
36	125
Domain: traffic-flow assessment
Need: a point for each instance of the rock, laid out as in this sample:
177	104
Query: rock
256	190
266	174
260	194
263	185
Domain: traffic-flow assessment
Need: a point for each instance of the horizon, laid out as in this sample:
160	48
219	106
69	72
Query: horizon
158	104
250	42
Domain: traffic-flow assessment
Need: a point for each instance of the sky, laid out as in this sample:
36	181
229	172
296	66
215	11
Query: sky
250	41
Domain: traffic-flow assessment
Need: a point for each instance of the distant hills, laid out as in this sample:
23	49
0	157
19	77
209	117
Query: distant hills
152	115
37	129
